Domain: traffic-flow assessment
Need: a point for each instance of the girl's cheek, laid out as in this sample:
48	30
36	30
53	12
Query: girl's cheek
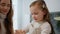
36	16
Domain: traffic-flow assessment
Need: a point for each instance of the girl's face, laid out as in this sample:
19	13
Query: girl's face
4	6
37	13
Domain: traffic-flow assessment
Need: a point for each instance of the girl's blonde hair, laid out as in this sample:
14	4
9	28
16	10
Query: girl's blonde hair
42	5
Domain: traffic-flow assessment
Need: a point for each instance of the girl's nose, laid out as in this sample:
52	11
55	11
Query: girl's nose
5	7
33	16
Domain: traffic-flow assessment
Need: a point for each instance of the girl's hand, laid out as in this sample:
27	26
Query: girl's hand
20	32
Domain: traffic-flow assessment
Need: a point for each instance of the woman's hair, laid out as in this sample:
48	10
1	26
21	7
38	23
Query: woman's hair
8	21
42	5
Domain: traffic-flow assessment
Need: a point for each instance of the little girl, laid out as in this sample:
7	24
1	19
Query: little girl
41	22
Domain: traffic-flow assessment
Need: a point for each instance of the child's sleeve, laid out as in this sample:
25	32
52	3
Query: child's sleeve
46	29
26	29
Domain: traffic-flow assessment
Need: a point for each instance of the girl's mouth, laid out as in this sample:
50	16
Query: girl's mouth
5	11
35	19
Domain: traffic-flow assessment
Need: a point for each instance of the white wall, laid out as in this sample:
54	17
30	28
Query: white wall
14	2
53	5
23	13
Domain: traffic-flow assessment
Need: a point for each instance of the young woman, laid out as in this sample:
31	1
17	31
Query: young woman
41	20
6	14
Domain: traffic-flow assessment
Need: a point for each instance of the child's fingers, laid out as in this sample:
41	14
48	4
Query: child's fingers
17	32
23	32
20	32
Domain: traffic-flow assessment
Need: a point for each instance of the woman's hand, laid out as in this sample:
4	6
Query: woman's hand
20	32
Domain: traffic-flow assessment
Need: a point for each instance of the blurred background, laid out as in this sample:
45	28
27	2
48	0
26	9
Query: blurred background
22	13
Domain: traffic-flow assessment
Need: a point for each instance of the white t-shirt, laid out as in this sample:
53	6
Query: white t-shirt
38	28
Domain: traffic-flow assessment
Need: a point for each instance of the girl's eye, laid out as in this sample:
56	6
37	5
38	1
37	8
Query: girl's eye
2	4
32	14
8	5
35	13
